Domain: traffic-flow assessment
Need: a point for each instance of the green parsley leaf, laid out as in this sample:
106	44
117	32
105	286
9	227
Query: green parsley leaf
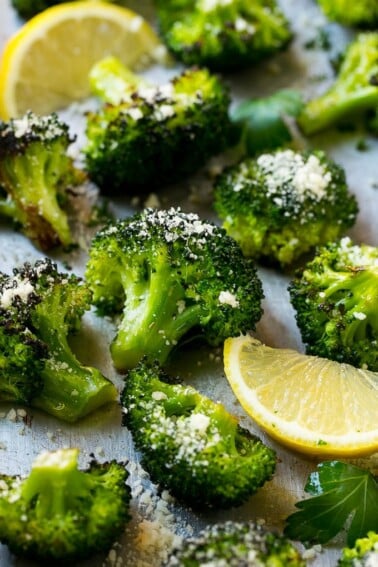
344	496
262	120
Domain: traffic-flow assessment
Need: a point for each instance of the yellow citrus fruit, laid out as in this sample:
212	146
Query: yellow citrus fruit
311	404
45	65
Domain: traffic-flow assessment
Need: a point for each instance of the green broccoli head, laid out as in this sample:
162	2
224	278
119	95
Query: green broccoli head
48	305
336	301
237	544
178	126
354	90
35	172
22	358
191	445
222	35
61	513
363	554
169	273
280	205
363	13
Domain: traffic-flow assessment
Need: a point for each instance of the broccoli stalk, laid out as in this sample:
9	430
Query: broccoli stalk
247	543
59	512
170	275
48	305
336	302
354	90
35	172
191	445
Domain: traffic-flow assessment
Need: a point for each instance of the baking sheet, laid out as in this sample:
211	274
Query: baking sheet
24	433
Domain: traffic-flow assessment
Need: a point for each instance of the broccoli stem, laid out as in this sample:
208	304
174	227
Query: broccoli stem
363	286
334	105
154	319
36	178
71	390
55	482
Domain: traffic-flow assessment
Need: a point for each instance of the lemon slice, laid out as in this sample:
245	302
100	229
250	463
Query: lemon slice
310	404
45	65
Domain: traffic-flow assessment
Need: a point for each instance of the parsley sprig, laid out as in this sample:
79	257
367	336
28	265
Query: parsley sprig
344	497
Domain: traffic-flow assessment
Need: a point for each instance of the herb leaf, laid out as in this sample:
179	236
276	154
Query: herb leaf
262	120
342	494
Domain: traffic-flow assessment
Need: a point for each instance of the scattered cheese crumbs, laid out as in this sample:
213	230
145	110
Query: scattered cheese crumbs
20	289
287	168
135	113
311	552
227	298
152	201
199	422
12	415
21	413
159	396
359	316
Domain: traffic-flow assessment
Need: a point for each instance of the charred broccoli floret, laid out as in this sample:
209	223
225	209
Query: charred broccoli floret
222	35
35	172
354	90
168	274
22	358
336	301
61	513
363	13
363	554
157	134
237	544
39	308
280	205
29	8
191	445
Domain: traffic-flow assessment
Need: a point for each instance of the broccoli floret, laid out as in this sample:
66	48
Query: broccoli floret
35	172
280	205
222	35
168	273
47	306
336	301
29	8
363	13
158	134
61	513
191	445
236	544
354	90
22	358
363	554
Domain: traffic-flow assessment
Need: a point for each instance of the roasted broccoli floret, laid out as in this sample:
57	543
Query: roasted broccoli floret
236	544
169	273
158	134
35	172
22	358
60	513
363	554
363	13
39	308
191	445
354	90
336	301
280	205
222	35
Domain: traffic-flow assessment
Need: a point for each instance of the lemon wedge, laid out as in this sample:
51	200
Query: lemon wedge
311	404
45	65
